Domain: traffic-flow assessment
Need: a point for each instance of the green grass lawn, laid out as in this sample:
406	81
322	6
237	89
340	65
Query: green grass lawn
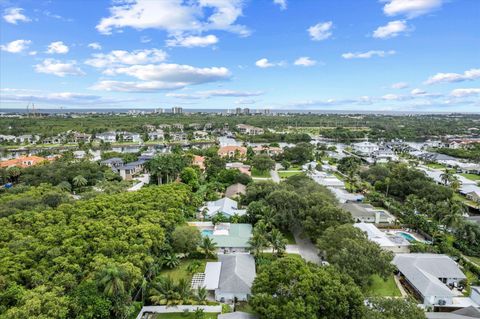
257	173
435	165
475	259
181	271
381	288
284	174
183	316
472	177
465	200
244	307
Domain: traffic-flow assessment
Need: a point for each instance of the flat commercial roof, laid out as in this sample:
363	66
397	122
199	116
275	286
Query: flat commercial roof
212	275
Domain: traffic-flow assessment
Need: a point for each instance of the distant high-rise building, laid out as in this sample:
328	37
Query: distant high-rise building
238	111
246	111
177	110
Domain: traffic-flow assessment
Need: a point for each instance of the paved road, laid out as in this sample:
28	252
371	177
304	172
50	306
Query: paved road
142	180
275	176
306	248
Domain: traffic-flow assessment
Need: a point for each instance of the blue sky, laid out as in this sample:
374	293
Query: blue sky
395	55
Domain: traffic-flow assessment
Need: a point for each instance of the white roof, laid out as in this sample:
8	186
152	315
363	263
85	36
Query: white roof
212	275
225	205
376	235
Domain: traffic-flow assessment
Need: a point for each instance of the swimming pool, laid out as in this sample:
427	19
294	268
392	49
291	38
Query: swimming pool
407	236
207	232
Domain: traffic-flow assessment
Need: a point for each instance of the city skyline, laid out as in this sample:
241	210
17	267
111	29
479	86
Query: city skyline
389	55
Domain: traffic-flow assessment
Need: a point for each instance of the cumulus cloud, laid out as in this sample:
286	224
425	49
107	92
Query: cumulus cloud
281	3
162	77
121	57
193	41
391	30
465	92
304	61
418	92
14	15
95	46
214	93
57	47
368	54
175	16
321	31
410	8
58	68
468	75
399	85
16	46
265	63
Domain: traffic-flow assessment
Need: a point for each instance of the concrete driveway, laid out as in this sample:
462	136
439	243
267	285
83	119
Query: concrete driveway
306	248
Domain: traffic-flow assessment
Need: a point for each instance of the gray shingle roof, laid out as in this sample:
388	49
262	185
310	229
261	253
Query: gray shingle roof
237	315
237	273
423	271
465	313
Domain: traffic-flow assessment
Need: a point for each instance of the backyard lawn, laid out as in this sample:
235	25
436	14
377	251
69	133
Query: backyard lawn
287	174
472	177
257	173
183	316
381	288
435	165
475	259
181	271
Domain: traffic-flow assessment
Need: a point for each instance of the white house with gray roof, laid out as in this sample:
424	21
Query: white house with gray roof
225	206
430	275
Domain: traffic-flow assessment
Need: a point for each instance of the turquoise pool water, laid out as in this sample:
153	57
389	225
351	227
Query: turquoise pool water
207	232
407	236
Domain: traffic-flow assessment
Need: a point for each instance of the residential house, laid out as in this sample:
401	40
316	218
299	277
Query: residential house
384	155
366	213
243	168
149	127
177	126
165	126
107	137
7	138
235	190
365	148
156	135
269	150
82	137
200	135
208	126
230	279
179	136
199	161
27	139
388	241
79	154
431	276
232	151
131	137
129	170
113	162
195	126
345	197
249	130
474	196
58	139
23	161
229	238
463	313
225	206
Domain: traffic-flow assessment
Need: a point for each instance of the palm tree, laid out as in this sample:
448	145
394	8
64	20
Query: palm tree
278	242
171	261
257	244
201	296
184	290
194	266
164	292
208	247
199	314
446	177
455	184
113	280
454	217
79	181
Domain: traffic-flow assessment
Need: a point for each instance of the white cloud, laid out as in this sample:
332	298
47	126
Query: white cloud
214	93
32	53
418	92
95	46
321	31
145	39
281	3
264	63
391	30
161	77
465	92
14	15
57	47
410	8
121	57
304	61
368	54
16	46
175	16
58	68
468	75
399	85
192	41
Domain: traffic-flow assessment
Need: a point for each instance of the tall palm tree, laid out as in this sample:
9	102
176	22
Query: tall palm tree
278	242
446	177
171	260
208	247
113	279
164	292
454	217
79	181
257	243
202	295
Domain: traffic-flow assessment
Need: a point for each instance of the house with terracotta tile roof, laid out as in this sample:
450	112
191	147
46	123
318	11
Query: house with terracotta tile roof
232	151
199	161
23	161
